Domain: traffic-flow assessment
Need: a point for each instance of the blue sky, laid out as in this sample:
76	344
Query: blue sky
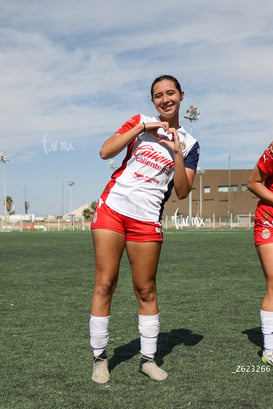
72	71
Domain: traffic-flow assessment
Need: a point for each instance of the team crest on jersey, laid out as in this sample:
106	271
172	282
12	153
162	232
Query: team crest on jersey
265	234
182	145
266	216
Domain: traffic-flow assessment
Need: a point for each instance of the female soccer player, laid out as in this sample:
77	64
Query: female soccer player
261	183
160	155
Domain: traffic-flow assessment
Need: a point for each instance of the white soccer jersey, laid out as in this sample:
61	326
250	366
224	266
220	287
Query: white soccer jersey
143	183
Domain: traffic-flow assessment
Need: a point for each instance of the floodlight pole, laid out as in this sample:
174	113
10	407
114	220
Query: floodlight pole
229	168
4	158
200	171
71	183
192	114
112	164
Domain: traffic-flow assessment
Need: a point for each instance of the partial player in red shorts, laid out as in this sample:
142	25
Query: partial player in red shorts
160	155
261	183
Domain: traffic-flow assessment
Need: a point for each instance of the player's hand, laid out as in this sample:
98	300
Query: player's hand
169	138
152	127
172	143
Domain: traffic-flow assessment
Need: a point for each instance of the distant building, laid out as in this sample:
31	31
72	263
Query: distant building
223	192
76	213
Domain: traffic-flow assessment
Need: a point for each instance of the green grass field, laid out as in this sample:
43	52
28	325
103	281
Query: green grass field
210	288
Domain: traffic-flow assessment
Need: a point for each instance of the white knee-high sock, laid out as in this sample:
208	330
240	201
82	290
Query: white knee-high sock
267	328
99	335
149	327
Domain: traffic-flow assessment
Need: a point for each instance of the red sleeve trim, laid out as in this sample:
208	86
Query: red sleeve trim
131	123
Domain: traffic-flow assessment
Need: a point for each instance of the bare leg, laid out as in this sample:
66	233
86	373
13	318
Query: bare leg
144	259
265	253
109	246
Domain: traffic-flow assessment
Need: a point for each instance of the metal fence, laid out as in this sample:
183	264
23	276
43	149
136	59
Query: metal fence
173	222
43	226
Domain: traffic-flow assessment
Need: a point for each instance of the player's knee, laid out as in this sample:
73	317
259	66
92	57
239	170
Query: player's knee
147	294
104	289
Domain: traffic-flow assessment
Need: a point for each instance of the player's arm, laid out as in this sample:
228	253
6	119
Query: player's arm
183	177
256	185
117	142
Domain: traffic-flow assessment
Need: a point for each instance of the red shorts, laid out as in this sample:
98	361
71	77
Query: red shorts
133	230
263	234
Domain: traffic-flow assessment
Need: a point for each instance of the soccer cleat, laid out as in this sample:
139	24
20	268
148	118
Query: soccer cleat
267	357
149	367
100	369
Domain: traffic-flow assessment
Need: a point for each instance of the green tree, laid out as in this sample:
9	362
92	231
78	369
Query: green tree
89	211
86	213
93	206
9	202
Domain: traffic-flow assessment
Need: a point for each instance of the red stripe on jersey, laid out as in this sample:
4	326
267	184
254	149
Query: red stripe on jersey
117	172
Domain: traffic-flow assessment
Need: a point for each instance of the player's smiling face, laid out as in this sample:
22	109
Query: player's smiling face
166	99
